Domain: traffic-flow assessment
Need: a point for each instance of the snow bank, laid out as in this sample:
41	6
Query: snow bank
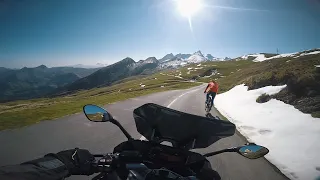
291	136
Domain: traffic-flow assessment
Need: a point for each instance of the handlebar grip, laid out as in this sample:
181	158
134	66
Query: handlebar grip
98	155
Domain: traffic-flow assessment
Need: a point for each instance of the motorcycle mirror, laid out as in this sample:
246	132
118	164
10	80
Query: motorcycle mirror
253	151
96	113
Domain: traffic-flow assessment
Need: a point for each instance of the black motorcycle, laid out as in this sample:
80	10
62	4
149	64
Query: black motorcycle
152	160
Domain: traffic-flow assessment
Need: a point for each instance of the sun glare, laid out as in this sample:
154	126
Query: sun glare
188	8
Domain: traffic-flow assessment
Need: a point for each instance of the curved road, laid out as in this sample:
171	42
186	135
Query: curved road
76	131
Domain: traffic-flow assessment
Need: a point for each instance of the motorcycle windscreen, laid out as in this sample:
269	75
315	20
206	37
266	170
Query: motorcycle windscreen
184	129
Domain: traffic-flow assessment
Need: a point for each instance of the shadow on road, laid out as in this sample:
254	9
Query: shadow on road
209	115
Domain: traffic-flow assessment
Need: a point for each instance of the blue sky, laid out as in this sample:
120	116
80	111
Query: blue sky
61	32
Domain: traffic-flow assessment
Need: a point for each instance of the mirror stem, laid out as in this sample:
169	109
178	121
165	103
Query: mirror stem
221	151
115	122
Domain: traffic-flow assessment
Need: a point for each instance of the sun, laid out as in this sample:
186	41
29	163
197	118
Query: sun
188	8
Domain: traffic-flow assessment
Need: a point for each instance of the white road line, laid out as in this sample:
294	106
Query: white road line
182	95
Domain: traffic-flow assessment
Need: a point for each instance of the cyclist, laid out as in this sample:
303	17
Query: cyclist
211	89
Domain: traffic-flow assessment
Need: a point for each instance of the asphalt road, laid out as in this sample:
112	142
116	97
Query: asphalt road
76	131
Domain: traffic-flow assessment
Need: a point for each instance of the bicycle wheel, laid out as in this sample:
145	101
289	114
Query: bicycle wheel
208	105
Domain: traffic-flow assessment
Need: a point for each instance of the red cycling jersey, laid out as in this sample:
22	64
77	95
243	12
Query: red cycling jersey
212	87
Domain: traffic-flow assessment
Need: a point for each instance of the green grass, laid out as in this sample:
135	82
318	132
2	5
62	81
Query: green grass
26	112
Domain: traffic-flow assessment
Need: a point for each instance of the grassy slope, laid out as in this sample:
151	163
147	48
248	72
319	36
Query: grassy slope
21	113
227	72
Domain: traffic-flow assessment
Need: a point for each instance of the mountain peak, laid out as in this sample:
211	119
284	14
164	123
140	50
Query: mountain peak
167	57
149	60
209	57
128	60
198	53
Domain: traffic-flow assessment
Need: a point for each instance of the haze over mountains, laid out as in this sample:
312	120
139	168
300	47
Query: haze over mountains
41	81
35	82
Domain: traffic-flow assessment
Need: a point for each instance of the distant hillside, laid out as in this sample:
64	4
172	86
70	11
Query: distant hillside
35	82
107	75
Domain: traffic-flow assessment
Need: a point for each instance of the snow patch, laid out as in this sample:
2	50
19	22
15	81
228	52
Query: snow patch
291	136
258	57
310	53
281	56
196	59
